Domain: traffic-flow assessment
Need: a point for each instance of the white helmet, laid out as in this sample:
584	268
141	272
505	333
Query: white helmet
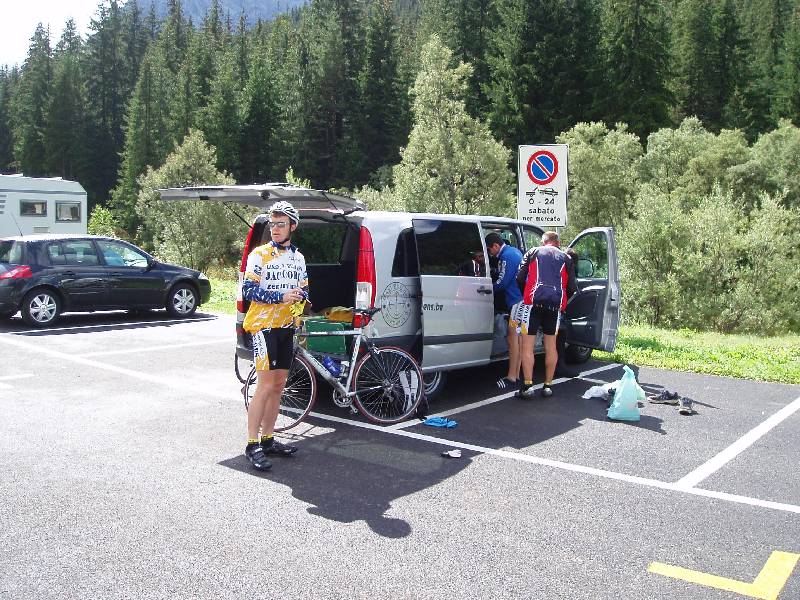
287	209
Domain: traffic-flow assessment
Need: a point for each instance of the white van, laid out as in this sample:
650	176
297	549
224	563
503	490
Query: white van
33	205
427	272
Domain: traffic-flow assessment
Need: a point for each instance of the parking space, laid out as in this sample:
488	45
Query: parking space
123	477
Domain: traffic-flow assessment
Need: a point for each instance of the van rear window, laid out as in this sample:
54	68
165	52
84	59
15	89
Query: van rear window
320	242
10	252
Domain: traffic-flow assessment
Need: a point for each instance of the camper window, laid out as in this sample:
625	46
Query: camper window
33	208
68	212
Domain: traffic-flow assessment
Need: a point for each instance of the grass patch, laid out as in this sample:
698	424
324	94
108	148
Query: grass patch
742	356
223	292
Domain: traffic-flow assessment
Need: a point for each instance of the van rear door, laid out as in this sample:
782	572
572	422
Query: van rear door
457	306
593	312
263	196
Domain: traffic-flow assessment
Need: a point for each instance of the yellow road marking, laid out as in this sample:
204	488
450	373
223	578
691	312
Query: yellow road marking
766	586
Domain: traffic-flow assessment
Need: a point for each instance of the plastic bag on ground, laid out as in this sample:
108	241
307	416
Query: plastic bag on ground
627	396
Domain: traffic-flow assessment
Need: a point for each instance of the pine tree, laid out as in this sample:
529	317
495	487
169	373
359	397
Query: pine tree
697	67
258	123
221	117
380	93
543	63
147	139
107	95
31	104
6	131
635	44
136	38
787	76
451	163
66	116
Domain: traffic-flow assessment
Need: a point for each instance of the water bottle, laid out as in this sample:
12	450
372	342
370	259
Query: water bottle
333	367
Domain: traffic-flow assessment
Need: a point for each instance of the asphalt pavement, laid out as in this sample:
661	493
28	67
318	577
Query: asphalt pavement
121	442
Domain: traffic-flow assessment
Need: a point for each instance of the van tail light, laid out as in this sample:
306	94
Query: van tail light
242	269
20	272
365	277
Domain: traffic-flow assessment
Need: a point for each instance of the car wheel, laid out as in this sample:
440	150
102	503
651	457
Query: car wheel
578	354
434	384
41	308
182	301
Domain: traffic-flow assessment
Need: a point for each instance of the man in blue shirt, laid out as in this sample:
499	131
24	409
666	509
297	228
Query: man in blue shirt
508	261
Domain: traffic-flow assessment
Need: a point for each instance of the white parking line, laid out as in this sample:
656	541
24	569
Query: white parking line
101	325
480	403
178	384
527	458
743	443
15	376
680	486
227	340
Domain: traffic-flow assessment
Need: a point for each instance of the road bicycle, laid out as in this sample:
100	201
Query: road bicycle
384	384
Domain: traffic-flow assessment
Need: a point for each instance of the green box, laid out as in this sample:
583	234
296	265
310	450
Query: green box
334	344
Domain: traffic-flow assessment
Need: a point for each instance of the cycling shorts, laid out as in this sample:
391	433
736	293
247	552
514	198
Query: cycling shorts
527	318
273	348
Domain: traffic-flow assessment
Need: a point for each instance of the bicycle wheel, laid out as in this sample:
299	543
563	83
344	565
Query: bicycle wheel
238	369
298	395
389	385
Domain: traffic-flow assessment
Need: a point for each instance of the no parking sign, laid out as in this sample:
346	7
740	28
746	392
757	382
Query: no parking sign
543	185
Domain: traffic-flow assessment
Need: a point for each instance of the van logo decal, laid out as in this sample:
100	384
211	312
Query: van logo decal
396	304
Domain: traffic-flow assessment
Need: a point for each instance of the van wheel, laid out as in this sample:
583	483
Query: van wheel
182	301
577	354
434	384
41	308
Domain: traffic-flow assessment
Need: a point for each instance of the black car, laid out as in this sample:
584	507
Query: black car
44	275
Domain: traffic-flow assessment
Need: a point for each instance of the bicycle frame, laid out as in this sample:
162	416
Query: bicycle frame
358	335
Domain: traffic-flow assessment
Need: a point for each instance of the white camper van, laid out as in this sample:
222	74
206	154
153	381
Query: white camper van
31	205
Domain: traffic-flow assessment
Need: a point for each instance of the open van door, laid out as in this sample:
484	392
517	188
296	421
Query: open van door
593	312
457	299
265	195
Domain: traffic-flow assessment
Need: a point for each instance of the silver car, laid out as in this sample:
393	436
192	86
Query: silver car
429	273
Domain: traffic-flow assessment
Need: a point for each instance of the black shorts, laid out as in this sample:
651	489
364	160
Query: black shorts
528	318
273	348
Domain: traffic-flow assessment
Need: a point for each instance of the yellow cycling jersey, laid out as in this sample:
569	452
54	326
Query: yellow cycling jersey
272	270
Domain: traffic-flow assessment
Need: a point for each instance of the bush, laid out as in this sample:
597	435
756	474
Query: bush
102	222
195	234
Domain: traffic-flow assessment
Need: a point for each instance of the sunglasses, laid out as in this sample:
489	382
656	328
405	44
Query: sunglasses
278	224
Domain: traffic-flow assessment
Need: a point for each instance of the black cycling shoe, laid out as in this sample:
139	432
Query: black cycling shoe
278	448
255	454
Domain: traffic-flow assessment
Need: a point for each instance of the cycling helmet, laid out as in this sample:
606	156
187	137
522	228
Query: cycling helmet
287	209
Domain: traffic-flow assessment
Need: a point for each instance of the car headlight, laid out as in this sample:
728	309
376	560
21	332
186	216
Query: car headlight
202	276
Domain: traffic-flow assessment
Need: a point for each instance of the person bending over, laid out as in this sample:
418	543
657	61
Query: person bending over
546	273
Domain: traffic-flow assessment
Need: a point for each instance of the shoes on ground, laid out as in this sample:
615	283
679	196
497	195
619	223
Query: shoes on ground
278	448
665	397
685	406
255	454
527	393
507	384
547	391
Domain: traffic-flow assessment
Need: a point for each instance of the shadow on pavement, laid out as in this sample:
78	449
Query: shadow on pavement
354	475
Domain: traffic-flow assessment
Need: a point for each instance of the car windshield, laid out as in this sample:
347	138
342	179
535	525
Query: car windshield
10	252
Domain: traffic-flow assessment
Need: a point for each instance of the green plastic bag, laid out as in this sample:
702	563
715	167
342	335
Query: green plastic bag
626	398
